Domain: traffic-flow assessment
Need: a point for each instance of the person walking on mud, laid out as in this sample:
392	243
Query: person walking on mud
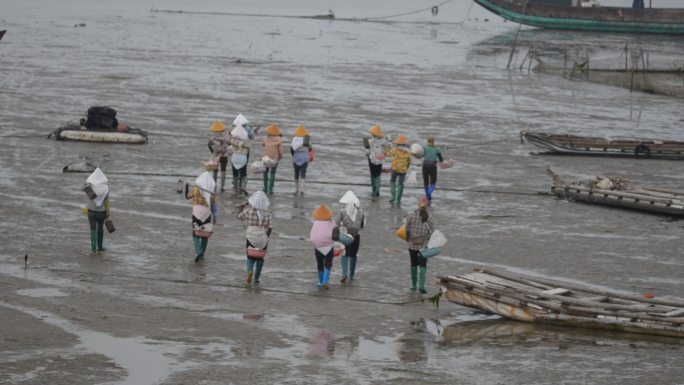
203	205
98	209
419	228
376	147
219	145
353	219
401	160
321	239
240	143
258	217
273	153
301	151
431	155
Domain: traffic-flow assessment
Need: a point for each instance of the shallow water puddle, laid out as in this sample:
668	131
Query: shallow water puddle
146	361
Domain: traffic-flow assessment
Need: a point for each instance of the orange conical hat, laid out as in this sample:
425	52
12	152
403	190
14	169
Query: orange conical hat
217	126
301	131
376	131
401	139
273	130
322	213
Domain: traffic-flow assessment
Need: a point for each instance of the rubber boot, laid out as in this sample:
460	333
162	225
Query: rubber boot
100	240
344	261
296	186
372	185
377	186
198	247
393	192
302	186
236	184
243	185
414	277
400	192
250	269
421	280
223	181
352	267
214	174
266	182
326	278
320	278
257	273
431	188
271	184
93	242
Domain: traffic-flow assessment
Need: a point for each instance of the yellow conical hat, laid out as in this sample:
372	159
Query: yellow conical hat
322	213
376	131
217	126
301	131
401	139
273	130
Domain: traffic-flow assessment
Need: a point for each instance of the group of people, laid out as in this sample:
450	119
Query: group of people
330	234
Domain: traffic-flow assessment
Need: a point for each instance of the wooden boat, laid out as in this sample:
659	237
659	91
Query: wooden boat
620	193
561	14
542	300
74	132
565	144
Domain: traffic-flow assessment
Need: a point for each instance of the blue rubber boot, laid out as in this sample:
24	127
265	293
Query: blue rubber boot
431	188
344	261
326	278
320	278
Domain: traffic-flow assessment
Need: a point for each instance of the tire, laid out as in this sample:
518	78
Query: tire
642	151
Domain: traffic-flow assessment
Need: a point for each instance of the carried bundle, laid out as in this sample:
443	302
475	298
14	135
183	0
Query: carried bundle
434	246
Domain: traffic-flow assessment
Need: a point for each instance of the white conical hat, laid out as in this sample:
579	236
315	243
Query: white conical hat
240	120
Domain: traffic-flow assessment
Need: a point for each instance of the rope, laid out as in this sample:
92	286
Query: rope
467	13
431	9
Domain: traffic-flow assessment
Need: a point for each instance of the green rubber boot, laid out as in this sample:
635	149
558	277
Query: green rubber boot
265	182
414	277
93	241
393	192
400	192
100	240
271	184
421	280
376	186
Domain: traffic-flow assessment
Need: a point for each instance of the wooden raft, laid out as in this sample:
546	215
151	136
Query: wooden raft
621	194
586	145
542	300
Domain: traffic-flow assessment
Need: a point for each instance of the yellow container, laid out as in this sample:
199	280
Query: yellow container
84	210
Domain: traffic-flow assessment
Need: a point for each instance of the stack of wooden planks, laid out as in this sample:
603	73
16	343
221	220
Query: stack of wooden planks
543	300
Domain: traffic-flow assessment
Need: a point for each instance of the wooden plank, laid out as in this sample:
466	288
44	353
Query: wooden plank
556	291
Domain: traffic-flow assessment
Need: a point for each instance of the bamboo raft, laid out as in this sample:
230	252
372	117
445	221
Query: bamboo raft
565	144
547	301
621	193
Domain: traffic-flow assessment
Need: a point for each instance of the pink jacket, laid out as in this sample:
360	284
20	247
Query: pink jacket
321	233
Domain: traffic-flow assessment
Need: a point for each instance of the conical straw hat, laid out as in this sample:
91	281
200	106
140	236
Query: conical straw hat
273	130
401	139
217	126
301	131
376	131
322	213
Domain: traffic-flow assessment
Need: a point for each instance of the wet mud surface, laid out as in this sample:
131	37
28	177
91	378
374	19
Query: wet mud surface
144	312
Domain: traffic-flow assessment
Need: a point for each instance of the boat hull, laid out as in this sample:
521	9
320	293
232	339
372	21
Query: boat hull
593	146
599	19
102	136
